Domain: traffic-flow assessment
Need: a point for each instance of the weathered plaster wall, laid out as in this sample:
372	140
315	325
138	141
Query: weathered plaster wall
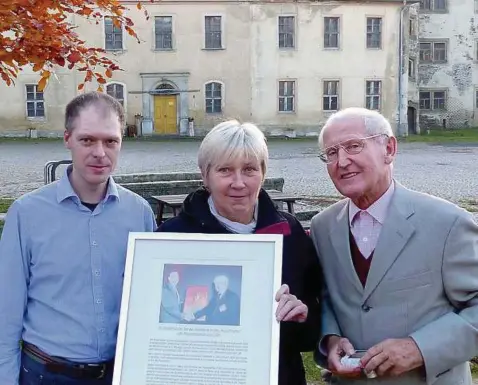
459	75
411	46
309	64
249	67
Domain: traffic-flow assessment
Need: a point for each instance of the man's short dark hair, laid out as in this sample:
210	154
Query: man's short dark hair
87	99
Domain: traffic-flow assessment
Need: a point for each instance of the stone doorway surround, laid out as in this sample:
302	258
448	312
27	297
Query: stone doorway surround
152	82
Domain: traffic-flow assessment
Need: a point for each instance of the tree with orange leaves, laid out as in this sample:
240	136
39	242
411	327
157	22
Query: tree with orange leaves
37	33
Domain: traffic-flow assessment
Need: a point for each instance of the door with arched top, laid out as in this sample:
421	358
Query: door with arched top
165	111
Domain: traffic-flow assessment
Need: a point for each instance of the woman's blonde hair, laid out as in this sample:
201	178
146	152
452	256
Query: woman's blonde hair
232	140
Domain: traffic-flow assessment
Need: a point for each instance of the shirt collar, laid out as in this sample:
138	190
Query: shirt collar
235	227
378	210
65	189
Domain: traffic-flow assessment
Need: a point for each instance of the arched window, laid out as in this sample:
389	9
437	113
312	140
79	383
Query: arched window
117	91
213	97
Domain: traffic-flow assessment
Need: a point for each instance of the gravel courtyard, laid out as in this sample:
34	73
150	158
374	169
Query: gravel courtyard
449	171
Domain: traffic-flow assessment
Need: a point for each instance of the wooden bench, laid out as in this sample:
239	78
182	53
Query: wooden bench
175	202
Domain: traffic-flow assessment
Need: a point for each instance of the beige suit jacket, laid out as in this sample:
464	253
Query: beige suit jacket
423	283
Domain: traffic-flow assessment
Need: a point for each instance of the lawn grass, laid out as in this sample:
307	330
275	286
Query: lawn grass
312	372
5	204
462	135
437	135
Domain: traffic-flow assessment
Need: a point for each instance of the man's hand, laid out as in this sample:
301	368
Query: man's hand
337	347
290	308
392	357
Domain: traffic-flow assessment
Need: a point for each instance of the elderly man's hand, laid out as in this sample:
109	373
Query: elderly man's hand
392	357
337	347
290	308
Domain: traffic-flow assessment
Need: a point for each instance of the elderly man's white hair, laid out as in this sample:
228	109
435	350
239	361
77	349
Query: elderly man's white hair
375	123
232	140
221	278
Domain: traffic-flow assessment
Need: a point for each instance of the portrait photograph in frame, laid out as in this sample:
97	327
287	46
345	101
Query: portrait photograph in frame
199	308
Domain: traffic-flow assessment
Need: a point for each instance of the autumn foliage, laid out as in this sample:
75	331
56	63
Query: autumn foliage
38	33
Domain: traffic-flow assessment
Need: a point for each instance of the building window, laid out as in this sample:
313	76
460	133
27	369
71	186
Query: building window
213	32
116	90
433	52
432	100
213	98
476	99
163	31
476	6
331	95
373	94
286	31
411	68
35	102
286	96
113	35
433	5
412	27
331	32
374	32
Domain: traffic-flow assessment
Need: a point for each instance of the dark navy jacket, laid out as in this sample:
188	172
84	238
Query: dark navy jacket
300	270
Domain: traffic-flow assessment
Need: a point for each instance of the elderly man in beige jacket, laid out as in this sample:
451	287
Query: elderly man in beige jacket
401	267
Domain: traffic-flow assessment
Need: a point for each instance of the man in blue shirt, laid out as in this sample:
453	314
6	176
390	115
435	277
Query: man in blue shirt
62	256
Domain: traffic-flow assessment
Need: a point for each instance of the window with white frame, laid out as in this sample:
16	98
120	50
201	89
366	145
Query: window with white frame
35	102
286	96
286	31
432	99
163	32
213	32
374	32
373	92
113	35
476	99
433	5
433	52
213	97
331	95
331	32
116	90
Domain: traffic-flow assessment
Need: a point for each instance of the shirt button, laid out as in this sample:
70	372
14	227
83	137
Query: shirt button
99	301
366	308
94	243
97	273
365	239
102	330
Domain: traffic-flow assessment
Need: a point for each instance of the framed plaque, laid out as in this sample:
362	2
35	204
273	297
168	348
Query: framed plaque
199	309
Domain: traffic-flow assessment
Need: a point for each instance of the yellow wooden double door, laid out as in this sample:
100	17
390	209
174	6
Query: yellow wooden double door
165	114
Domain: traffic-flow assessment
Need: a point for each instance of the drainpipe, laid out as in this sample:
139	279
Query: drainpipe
402	129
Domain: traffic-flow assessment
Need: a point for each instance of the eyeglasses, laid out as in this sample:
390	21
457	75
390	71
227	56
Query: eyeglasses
351	147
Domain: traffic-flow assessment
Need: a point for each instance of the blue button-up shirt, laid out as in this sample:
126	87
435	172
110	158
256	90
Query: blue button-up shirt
61	273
